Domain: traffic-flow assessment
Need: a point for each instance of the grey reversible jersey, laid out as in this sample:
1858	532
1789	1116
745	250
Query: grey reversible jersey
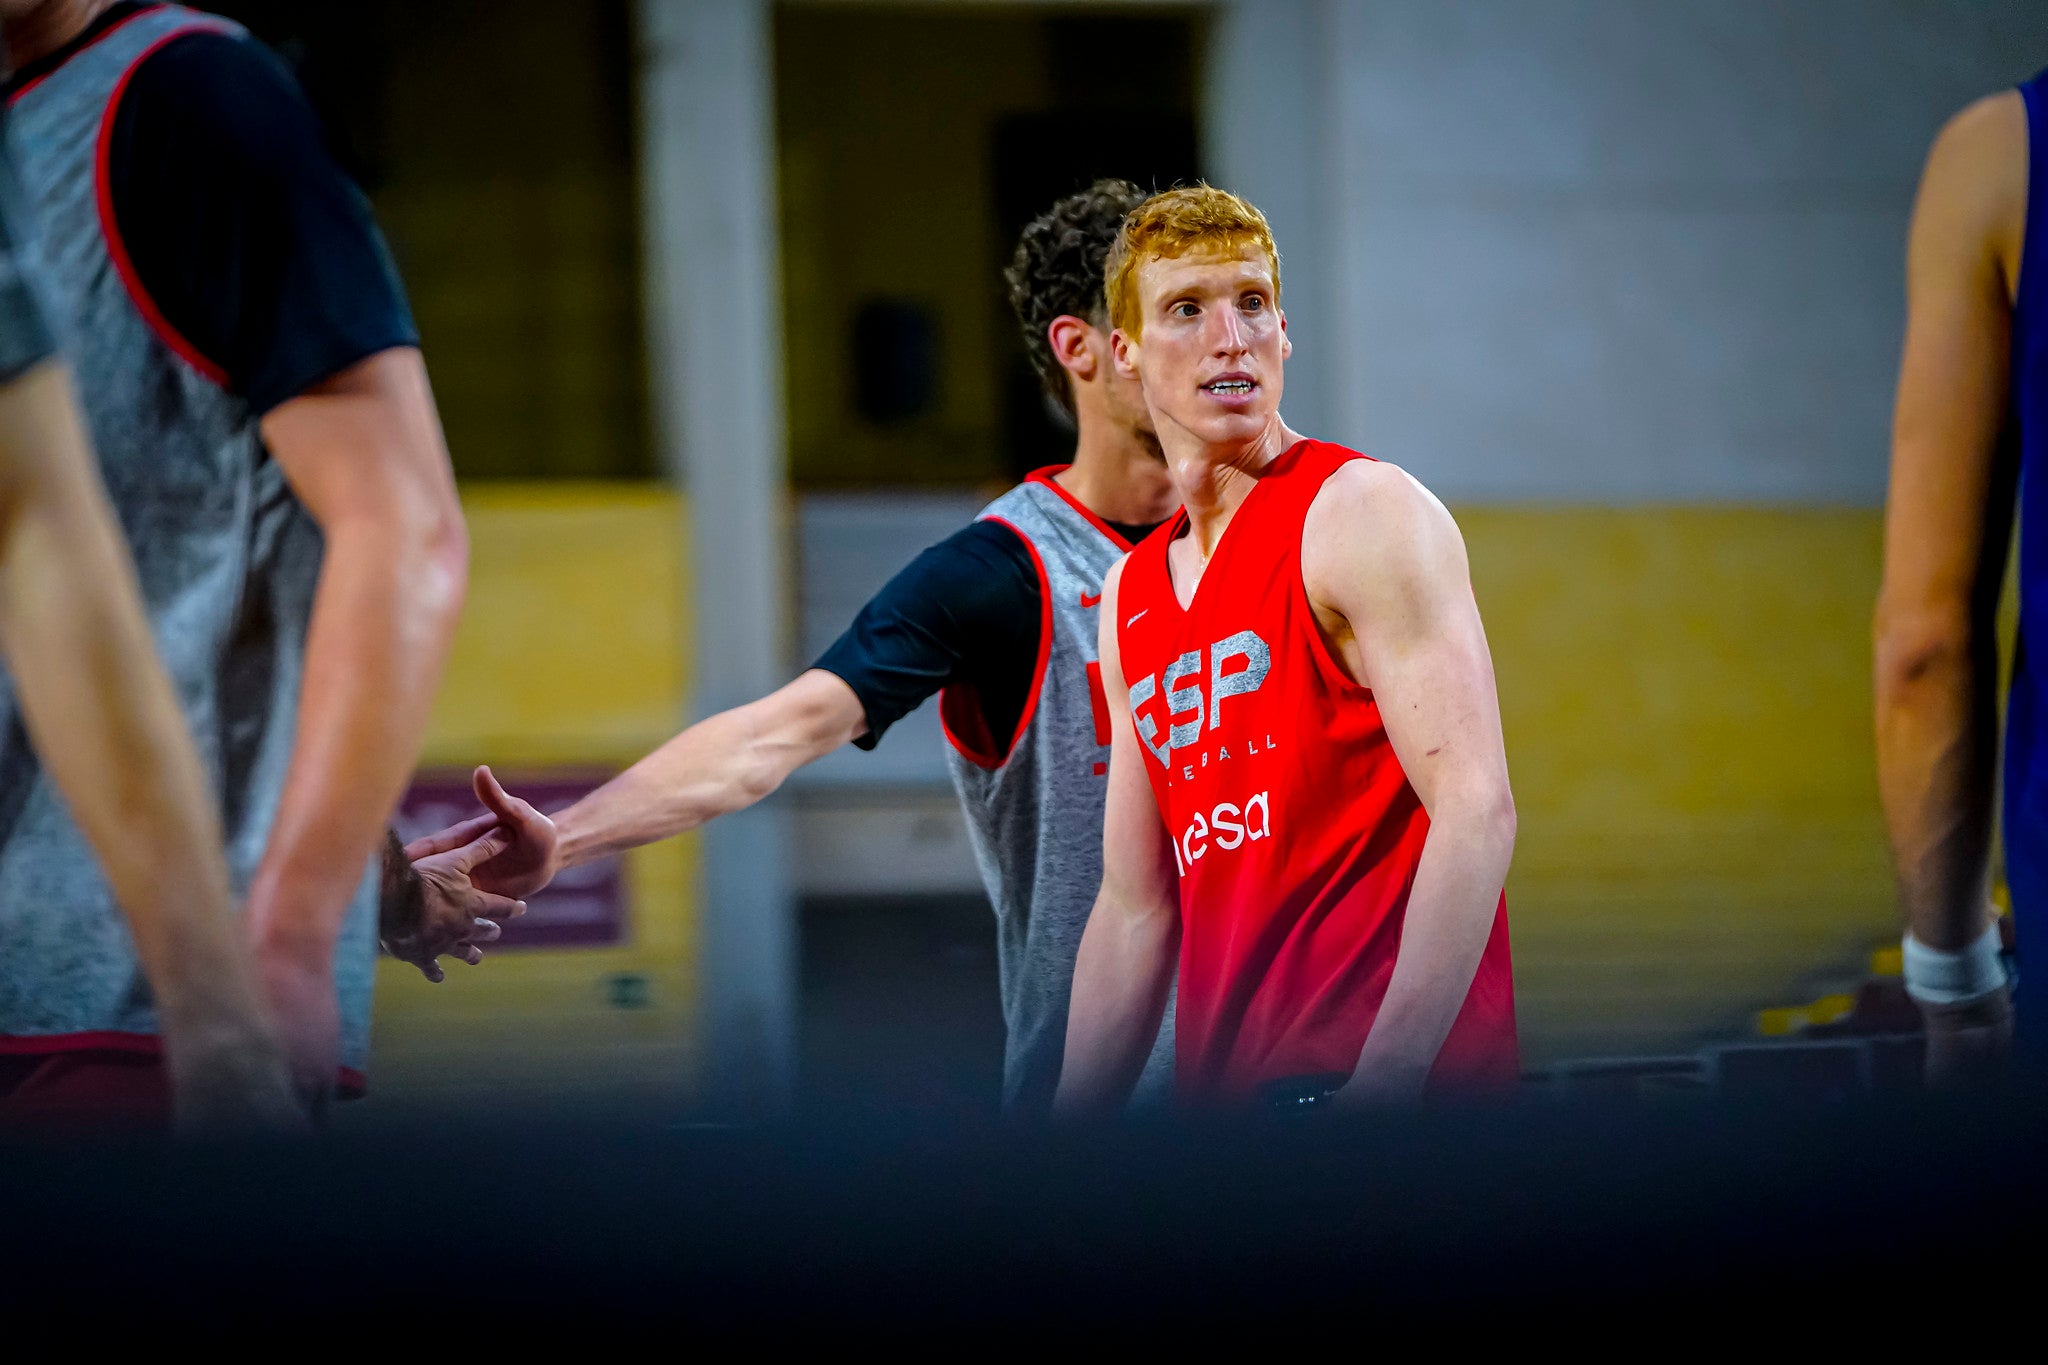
1034	815
228	560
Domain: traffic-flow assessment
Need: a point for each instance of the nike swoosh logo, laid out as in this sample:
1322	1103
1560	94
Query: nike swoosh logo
1134	620
1087	601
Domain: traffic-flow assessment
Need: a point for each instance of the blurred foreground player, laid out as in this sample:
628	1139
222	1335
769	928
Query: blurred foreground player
1308	793
1969	432
999	619
248	368
99	710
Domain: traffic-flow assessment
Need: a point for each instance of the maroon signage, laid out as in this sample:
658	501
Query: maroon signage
584	907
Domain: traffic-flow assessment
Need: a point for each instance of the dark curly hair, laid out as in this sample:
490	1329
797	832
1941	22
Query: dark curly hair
1057	269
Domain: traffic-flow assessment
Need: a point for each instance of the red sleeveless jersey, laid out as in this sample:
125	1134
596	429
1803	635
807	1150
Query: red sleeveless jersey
1295	831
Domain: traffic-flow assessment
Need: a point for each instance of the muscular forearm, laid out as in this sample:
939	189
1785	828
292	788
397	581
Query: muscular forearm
1449	917
721	764
1937	739
1121	979
383	617
103	717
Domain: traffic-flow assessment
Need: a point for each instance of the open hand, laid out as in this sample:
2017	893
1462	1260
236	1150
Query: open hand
443	912
531	854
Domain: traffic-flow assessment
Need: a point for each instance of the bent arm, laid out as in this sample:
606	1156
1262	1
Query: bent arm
1125	967
1409	621
1947	524
722	764
105	722
364	452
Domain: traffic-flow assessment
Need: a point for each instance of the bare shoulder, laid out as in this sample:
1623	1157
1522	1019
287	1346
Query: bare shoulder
1378	488
1374	522
1973	193
1994	127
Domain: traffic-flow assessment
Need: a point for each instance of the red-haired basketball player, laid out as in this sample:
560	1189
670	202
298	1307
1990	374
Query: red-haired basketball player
1308	793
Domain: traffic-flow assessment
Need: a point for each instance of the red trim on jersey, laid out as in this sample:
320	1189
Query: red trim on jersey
93	1040
978	747
351	1083
117	250
1326	658
1181	522
1045	476
97	39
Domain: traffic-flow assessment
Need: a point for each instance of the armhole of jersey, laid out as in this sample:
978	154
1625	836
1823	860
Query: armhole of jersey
1326	660
2034	231
976	747
1138	563
110	228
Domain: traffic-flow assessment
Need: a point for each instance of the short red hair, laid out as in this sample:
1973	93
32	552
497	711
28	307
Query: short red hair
1175	223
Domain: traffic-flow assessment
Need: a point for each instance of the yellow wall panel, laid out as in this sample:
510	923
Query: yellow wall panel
571	648
1686	696
570	656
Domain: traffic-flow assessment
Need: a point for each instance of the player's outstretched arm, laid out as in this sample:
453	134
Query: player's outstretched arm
1947	523
1125	967
363	451
1385	568
722	764
105	722
957	601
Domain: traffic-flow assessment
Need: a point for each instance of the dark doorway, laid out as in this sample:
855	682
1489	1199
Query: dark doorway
900	1009
916	141
1040	157
495	141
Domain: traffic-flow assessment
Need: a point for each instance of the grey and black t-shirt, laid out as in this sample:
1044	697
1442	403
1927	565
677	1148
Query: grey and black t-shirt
201	259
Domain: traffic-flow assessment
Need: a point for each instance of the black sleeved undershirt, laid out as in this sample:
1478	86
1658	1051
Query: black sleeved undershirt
244	231
965	612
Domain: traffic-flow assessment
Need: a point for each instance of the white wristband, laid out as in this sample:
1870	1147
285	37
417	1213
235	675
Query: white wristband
1937	977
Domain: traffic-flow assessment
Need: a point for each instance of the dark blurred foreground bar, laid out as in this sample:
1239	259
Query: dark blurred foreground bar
1545	1217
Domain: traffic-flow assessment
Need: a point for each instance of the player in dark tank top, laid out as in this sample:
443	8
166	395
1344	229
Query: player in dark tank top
1970	439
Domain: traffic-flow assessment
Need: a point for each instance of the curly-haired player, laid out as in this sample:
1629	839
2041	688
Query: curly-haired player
999	619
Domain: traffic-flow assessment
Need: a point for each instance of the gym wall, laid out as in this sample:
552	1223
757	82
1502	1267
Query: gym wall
1622	283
